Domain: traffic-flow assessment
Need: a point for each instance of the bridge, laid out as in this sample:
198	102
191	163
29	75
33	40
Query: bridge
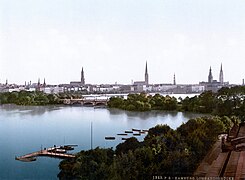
86	102
227	157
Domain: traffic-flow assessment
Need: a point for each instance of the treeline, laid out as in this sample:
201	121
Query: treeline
29	98
164	151
226	102
143	102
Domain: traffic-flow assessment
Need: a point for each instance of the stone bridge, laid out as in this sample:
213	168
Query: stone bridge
86	102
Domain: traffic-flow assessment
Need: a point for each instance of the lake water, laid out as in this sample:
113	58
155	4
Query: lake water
26	129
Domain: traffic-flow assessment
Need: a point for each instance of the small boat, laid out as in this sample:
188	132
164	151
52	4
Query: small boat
128	131
29	159
110	138
59	150
122	134
68	147
136	130
145	130
136	134
124	138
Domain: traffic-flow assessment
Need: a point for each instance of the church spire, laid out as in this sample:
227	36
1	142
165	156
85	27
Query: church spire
221	75
146	75
44	83
82	77
38	83
174	79
210	76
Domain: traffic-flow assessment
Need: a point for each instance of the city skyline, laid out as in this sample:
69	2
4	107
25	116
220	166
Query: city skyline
112	40
145	81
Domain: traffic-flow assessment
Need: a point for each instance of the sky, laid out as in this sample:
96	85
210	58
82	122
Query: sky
113	39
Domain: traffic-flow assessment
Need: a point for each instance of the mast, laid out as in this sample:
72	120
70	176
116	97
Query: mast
91	135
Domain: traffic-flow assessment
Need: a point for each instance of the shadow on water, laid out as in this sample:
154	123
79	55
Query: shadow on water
143	115
153	114
191	115
27	110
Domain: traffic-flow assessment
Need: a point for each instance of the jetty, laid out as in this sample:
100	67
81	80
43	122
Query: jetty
55	152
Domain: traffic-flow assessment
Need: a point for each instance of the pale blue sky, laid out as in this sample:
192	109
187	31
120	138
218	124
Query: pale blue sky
112	39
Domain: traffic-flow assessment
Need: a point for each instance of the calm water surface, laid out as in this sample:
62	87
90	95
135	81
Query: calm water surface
26	129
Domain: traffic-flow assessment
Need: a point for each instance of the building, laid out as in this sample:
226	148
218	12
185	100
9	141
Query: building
79	83
82	78
214	85
142	85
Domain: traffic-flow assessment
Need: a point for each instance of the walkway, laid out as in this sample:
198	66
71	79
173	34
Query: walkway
226	162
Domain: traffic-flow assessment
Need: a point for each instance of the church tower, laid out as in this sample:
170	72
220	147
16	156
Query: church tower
174	79
82	77
44	83
210	76
221	76
146	75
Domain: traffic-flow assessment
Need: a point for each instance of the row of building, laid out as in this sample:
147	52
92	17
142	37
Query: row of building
137	86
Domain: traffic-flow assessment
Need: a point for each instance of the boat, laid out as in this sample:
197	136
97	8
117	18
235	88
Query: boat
68	147
110	138
124	138
128	131
136	130
136	134
59	150
122	134
29	159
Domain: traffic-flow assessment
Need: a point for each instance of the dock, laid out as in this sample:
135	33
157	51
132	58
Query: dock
55	152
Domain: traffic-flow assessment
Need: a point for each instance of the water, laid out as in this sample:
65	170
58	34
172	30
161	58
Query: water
26	129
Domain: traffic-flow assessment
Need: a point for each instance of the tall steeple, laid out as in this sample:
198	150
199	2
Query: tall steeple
210	76
44	83
174	79
82	77
38	83
146	75
221	76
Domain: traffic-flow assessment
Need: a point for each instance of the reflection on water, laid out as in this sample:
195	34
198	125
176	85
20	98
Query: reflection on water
24	129
12	109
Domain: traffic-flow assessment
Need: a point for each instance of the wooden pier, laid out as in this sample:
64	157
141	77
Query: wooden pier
56	152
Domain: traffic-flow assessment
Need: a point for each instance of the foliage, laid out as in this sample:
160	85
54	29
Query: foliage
142	102
92	164
226	102
164	151
29	98
130	144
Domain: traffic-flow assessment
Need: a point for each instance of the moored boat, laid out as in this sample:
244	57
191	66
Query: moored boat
136	134
110	138
122	134
29	159
128	131
138	130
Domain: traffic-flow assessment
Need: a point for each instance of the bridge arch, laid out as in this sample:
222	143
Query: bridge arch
100	104
88	104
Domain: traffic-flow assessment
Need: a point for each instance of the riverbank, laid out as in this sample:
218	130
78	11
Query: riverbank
164	152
